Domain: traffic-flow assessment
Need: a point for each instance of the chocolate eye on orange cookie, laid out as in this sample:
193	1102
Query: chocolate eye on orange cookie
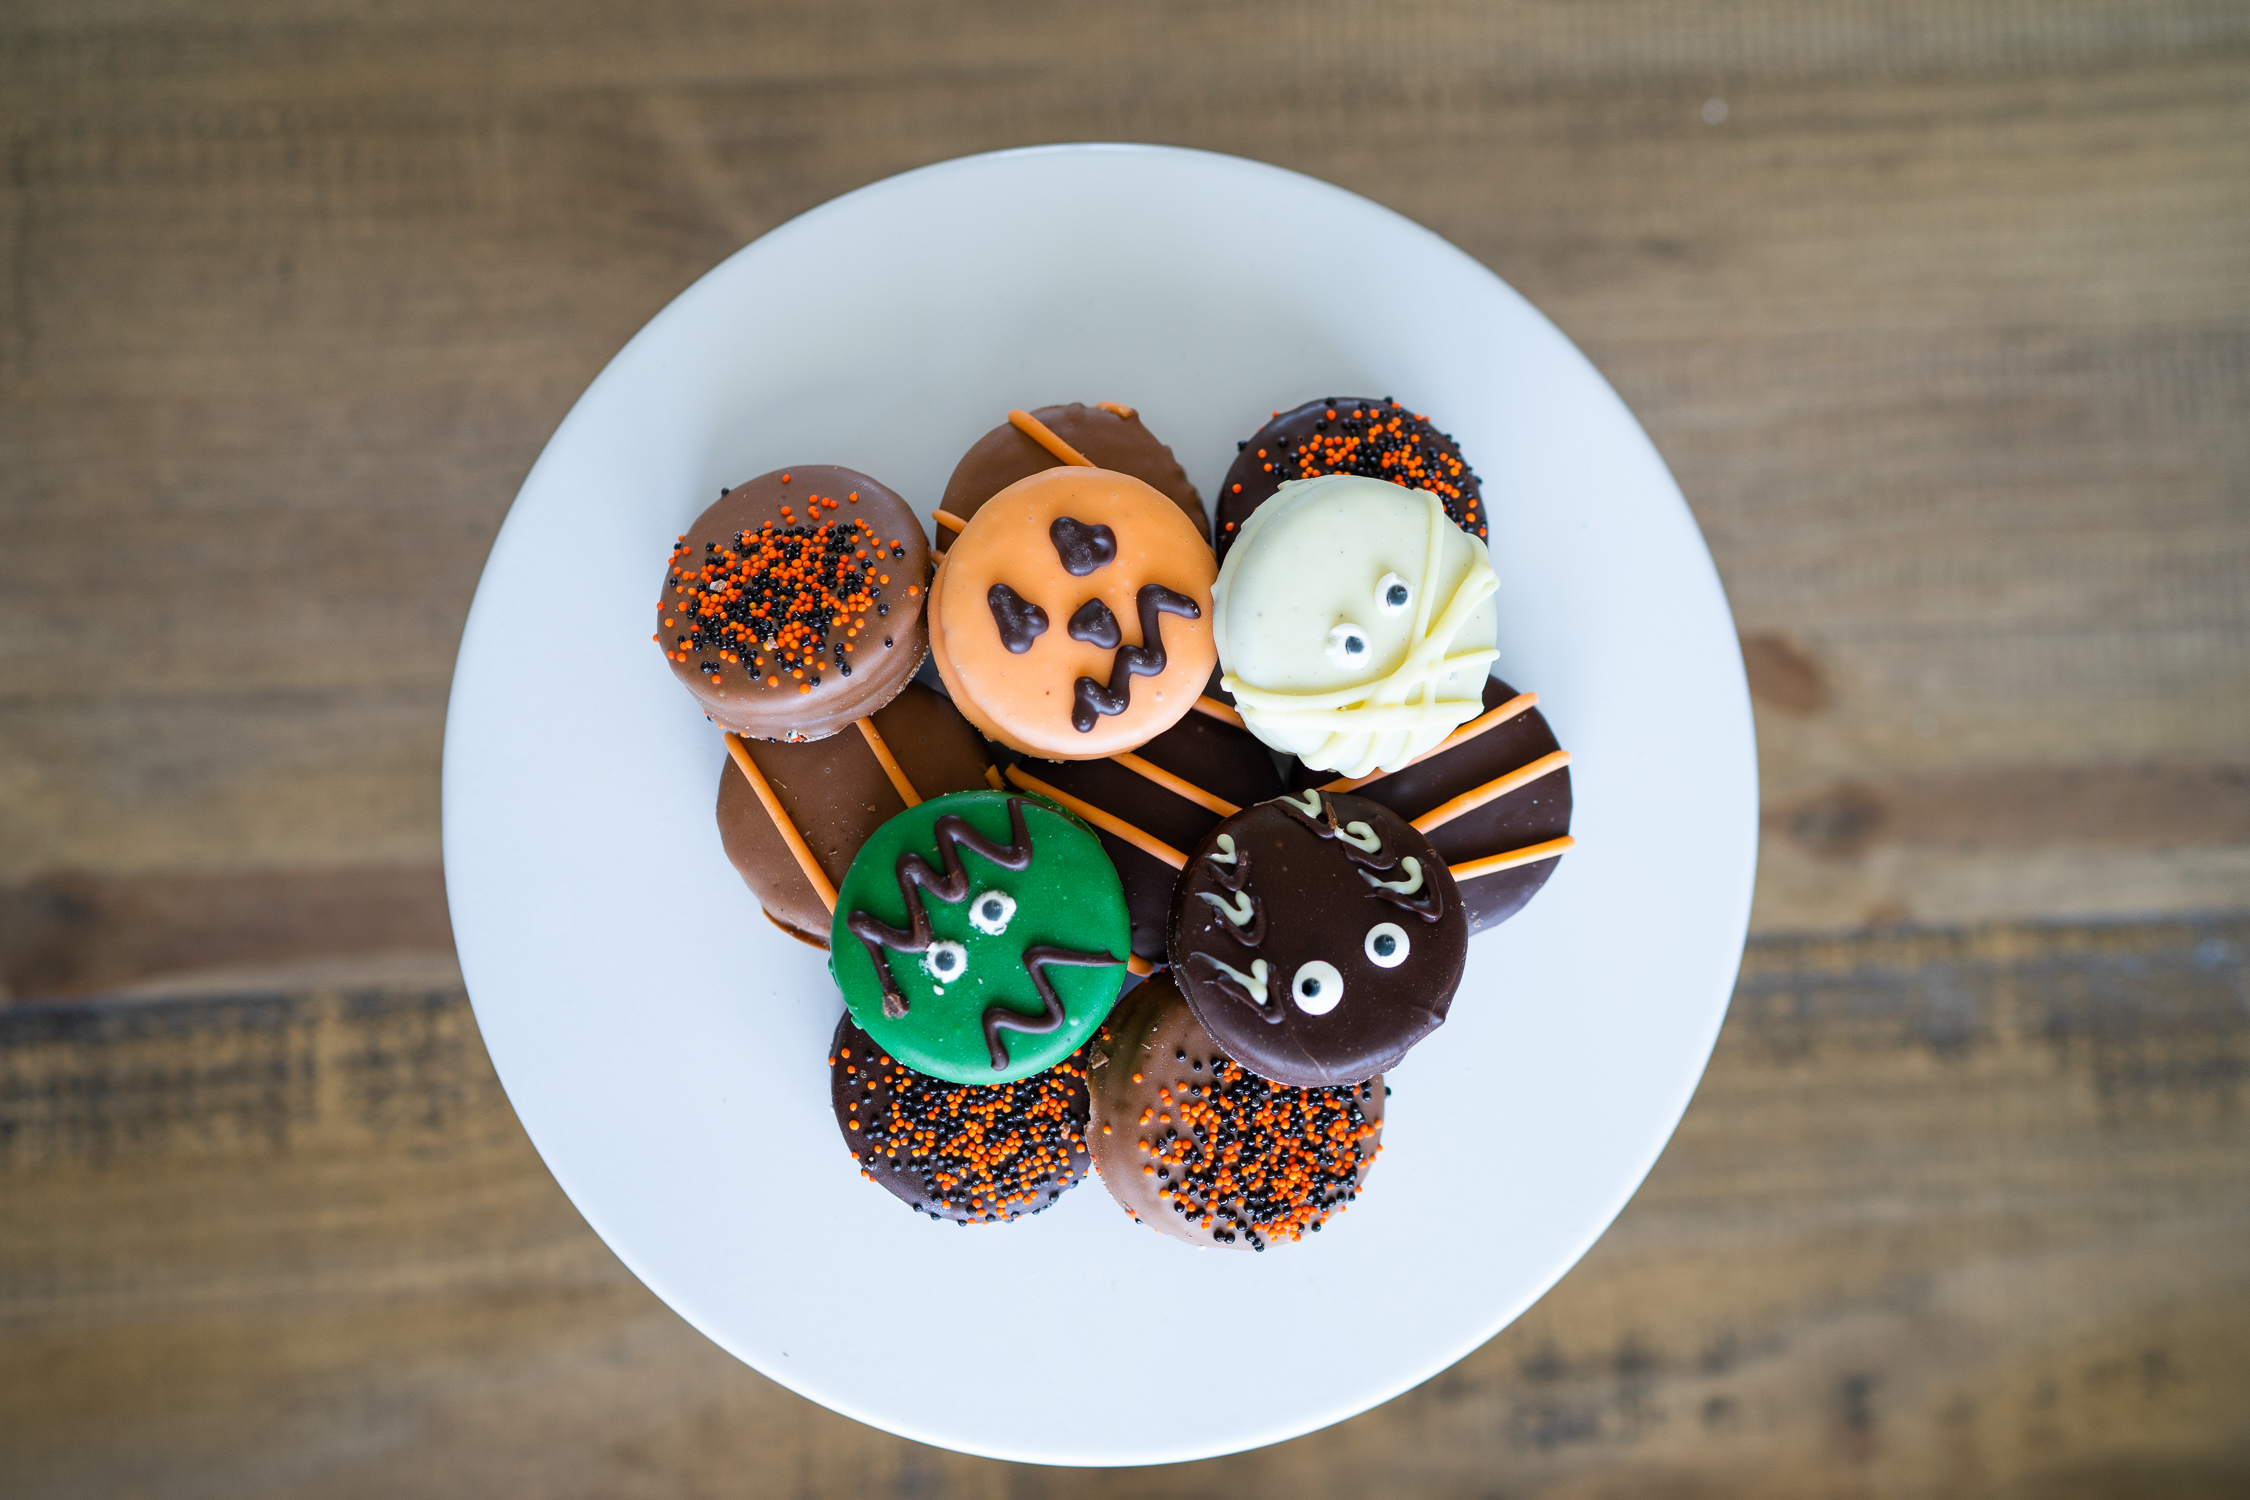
1196	1146
1318	938
1105	435
794	605
1072	617
1348	435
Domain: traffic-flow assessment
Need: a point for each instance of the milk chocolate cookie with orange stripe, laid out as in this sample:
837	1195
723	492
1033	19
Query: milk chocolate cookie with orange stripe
1318	938
1348	435
819	803
1198	1147
1493	799
1106	435
1072	617
972	1154
795	604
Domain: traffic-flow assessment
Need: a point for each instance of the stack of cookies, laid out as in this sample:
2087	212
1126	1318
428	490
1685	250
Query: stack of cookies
1188	851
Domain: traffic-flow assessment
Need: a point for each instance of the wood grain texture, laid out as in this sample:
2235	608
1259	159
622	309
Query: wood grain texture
1953	1214
1945	328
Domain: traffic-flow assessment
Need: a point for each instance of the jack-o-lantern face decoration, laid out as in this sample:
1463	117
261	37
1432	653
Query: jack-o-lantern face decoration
1317	938
1071	618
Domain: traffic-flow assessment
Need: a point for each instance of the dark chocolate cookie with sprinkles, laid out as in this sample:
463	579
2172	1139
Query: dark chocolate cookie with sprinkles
794	605
975	1154
1348	435
1196	1146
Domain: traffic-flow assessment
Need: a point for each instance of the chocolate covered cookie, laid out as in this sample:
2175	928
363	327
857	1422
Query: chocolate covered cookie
792	815
1072	617
1198	1147
1348	435
974	1154
1151	805
794	605
1493	799
1317	937
1355	623
980	937
1105	435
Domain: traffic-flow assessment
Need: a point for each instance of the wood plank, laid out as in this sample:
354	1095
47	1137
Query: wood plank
1954	1213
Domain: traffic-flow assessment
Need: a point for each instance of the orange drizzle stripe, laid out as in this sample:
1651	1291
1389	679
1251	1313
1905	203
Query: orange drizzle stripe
1040	433
992	774
1219	711
1177	785
1149	845
1135	964
888	762
1493	864
1119	407
1461	736
822	887
1476	797
949	520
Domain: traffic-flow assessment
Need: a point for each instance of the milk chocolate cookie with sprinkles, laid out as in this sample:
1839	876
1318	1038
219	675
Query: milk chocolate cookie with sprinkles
1349	435
793	817
975	1154
1493	799
1105	435
795	604
1151	805
1198	1147
980	937
1317	938
1072	617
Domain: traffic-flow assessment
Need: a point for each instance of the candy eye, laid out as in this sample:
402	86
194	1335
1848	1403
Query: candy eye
1394	595
990	911
1386	945
1316	988
945	962
1347	646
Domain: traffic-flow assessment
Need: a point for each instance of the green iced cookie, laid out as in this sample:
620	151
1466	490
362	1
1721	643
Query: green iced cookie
980	937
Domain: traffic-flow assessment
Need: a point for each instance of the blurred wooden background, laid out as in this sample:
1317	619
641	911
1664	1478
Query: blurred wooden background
1940	312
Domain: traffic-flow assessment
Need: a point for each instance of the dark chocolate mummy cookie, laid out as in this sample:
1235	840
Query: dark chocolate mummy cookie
792	828
795	604
1348	435
972	1154
1151	805
1197	1146
1493	799
1104	435
1317	938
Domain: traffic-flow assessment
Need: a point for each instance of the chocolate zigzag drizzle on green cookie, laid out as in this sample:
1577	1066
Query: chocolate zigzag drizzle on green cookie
1145	660
1035	960
954	833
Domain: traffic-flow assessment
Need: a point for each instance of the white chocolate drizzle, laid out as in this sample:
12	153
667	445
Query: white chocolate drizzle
1407	887
1240	912
1254	981
1224	853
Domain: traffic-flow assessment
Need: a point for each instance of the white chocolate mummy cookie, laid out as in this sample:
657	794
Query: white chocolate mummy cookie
1354	623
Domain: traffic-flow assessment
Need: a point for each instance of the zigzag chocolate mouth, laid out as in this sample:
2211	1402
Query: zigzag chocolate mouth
1092	699
954	833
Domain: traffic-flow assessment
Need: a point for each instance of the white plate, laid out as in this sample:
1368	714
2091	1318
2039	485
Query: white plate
665	1047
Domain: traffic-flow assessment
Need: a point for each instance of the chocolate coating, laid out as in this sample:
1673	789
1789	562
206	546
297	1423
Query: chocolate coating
974	1154
1293	446
1531	814
1226	761
1004	455
1300	896
838	794
805	685
1197	1147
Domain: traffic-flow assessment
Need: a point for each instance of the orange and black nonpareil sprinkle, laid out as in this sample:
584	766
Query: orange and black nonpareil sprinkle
972	1153
1378	439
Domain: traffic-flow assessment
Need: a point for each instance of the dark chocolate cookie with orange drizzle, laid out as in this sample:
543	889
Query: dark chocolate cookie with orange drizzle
1317	937
974	1154
795	604
794	816
1196	1146
1493	798
1105	435
1348	435
980	937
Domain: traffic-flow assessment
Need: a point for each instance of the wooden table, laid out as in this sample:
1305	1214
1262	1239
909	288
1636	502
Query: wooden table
1941	314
